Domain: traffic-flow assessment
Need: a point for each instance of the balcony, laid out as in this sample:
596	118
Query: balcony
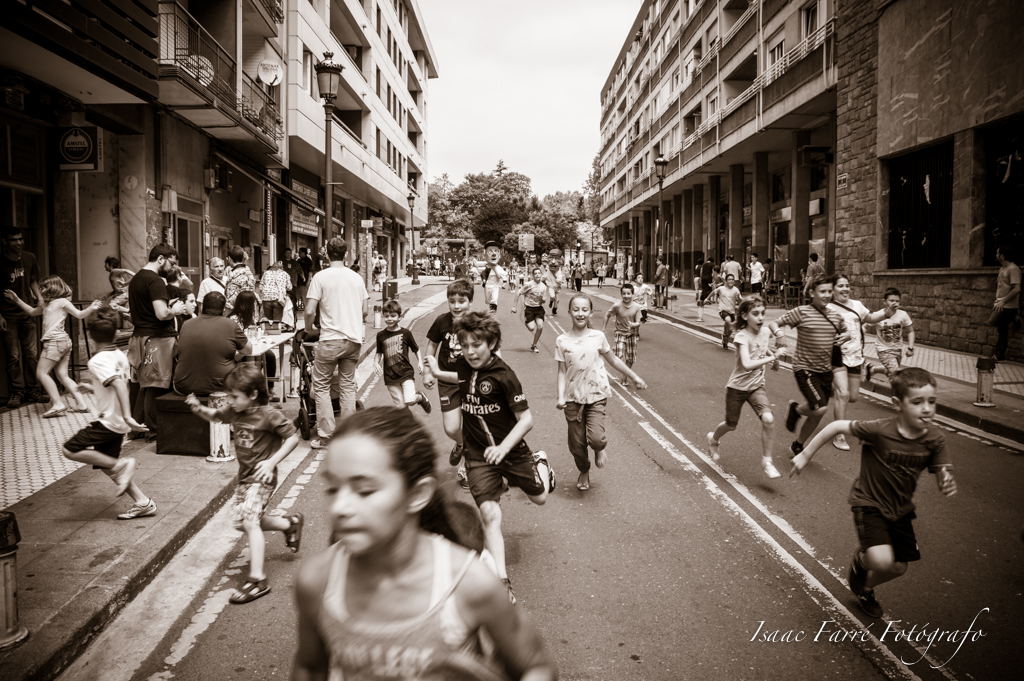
260	110
275	10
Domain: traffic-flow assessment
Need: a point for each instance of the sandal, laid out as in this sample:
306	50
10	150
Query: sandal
55	412
250	591
293	535
583	487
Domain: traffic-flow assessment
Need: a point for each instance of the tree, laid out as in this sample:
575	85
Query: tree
494	202
592	194
445	220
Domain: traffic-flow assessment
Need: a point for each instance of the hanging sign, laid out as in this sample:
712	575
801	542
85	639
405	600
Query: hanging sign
81	148
270	72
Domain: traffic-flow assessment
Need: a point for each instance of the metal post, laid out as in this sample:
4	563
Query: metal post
11	633
329	170
415	262
986	379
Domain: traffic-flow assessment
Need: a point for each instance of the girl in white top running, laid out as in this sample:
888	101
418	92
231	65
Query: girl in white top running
389	600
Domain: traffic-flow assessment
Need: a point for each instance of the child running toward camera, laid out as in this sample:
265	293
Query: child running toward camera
746	384
496	419
392	360
642	296
533	295
894	451
390	599
627	322
729	298
889	336
264	436
583	390
56	354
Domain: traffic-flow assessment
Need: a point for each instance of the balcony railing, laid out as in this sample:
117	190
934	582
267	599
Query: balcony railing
750	11
275	8
259	109
186	44
711	53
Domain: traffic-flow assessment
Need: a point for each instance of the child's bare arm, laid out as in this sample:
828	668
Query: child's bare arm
495	454
29	310
443	376
824	435
910	341
265	469
205	413
560	404
944	478
751	364
311	658
621	367
123	401
69	307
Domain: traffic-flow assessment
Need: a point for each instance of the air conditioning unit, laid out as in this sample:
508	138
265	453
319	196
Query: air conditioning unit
219	178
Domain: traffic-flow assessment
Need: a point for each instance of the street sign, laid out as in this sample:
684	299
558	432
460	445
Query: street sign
526	243
81	148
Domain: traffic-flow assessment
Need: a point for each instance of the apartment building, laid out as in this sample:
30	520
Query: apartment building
738	97
379	144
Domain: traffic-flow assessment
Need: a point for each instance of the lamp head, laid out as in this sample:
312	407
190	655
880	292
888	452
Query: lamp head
659	167
328	77
412	201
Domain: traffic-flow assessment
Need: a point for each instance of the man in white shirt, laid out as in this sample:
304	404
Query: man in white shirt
730	266
213	283
340	297
756	274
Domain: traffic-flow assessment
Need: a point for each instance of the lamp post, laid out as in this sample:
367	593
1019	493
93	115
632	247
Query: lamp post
659	168
328	79
412	223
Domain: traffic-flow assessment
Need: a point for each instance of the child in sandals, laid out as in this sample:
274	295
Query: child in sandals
263	438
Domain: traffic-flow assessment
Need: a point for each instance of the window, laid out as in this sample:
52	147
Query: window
308	74
1004	197
810	19
777	52
921	208
712	104
675	80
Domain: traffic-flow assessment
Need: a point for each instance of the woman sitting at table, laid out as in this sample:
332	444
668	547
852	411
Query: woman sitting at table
244	314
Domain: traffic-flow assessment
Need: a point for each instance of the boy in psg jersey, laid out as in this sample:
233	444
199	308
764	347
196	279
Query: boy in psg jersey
495	421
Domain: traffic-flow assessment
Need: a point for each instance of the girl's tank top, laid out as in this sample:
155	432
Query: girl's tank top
430	647
53	321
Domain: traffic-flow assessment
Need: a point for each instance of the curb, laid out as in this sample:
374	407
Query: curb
965	417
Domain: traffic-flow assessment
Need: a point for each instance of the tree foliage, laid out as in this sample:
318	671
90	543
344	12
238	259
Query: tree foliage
445	218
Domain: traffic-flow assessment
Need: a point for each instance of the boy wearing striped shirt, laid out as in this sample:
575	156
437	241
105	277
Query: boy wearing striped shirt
818	330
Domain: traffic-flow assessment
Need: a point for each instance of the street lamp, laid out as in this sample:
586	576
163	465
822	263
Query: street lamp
328	79
412	223
659	169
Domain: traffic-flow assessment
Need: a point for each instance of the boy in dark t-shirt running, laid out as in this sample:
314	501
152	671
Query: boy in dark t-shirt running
894	452
496	419
392	360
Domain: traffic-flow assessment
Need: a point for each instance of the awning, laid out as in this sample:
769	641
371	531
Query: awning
260	176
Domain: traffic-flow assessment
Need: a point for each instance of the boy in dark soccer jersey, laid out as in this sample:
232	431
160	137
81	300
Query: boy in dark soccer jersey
495	419
392	360
894	452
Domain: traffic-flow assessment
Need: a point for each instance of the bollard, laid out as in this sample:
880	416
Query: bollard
12	633
986	379
220	433
377	321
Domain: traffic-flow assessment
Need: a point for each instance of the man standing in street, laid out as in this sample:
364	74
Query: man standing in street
294	271
274	287
213	283
19	272
814	269
340	296
1007	305
238	278
660	283
756	270
306	263
730	266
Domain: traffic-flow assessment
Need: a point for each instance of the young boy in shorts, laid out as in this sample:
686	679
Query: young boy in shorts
627	323
496	420
889	335
818	330
100	442
443	343
392	360
533	295
894	451
729	298
264	436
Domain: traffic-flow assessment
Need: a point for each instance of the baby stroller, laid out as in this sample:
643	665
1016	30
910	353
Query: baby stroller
304	350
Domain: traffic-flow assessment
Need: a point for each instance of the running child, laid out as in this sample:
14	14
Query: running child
729	298
627	323
555	280
746	384
583	390
889	336
494	275
390	584
642	295
496	419
533	295
392	360
99	443
443	343
894	451
264	436
819	329
56	352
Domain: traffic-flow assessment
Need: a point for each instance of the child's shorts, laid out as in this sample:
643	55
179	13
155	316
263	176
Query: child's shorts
735	399
250	502
625	347
518	468
874	529
97	436
54	350
816	387
727	316
403	393
451	400
852	371
891	360
643	316
531	313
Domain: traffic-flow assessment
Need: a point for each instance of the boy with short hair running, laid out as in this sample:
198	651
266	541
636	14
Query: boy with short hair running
533	294
642	295
889	335
264	436
729	298
627	322
497	419
392	360
894	452
819	329
99	443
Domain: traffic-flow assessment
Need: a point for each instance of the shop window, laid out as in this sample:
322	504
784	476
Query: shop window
921	208
778	187
1004	196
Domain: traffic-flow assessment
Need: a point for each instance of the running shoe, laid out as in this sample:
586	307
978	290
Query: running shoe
541	458
139	511
317	443
293	535
533	348
769	468
456	455
123	471
840	443
870	605
795	448
713	447
856	576
725	340
463	477
511	593
424	402
14	402
792	417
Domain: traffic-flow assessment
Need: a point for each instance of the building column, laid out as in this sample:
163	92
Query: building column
65	227
761	208
666	228
800	219
967	243
678	247
648	244
734	237
689	261
712	226
697	236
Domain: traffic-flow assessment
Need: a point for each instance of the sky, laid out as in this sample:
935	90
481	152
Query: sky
520	81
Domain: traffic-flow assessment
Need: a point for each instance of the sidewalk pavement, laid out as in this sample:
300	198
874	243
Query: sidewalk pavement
78	566
955	372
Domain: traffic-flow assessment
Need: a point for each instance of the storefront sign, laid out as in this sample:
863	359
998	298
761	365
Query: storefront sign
303	221
301	226
842	180
81	148
366	224
781	215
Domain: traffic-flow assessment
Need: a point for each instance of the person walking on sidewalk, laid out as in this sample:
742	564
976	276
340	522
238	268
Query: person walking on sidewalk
274	289
238	278
99	443
19	272
707	280
660	283
1007	306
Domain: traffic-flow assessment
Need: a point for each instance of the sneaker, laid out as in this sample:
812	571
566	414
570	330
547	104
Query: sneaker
840	443
123	471
14	402
867	371
139	511
769	468
317	443
725	340
456	455
511	593
533	348
554	311
463	477
424	402
713	447
792	417
795	448
870	605
37	397
541	458
857	576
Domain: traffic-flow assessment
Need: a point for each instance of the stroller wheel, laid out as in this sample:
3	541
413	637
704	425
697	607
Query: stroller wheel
303	423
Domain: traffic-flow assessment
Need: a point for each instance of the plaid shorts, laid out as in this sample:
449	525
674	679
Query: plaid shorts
625	347
250	501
